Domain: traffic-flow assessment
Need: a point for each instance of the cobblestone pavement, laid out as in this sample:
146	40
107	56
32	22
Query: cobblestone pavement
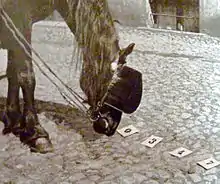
181	103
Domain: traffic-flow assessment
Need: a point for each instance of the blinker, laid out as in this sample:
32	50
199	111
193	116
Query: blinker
123	96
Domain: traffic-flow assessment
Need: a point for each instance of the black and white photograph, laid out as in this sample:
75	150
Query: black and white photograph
109	91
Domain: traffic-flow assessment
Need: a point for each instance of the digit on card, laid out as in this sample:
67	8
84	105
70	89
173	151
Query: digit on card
128	130
208	163
180	152
152	141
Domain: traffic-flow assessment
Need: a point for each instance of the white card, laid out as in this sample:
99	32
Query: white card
209	163
128	130
4	61
180	152
152	141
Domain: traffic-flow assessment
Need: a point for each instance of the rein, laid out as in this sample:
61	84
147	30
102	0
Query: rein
90	114
24	43
95	114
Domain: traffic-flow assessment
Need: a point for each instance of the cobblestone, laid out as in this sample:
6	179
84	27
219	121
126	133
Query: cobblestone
181	75
195	178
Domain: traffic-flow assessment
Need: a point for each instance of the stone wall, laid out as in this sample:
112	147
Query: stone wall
166	22
131	12
192	24
210	17
137	13
167	13
128	12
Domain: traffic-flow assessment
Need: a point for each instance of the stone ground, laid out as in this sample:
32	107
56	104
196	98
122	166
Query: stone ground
181	103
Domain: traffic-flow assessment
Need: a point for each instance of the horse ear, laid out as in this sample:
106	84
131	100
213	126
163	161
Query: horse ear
128	50
125	52
117	21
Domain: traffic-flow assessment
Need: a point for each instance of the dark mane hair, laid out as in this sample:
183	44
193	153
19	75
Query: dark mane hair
97	41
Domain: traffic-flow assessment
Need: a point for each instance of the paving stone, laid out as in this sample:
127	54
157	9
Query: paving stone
195	178
180	97
86	181
211	178
76	176
108	182
186	115
215	130
164	174
94	177
211	171
149	182
177	180
126	180
139	177
65	182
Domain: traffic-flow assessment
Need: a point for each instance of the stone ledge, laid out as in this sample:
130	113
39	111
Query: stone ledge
171	31
148	39
44	31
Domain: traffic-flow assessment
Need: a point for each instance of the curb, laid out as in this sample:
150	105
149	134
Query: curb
62	24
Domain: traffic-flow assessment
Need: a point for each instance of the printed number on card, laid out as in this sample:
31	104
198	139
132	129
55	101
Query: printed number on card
209	163
129	130
152	141
180	152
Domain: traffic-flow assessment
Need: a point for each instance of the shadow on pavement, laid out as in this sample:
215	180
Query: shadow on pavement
63	115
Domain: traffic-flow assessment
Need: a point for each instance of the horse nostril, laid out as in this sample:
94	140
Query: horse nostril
101	125
114	66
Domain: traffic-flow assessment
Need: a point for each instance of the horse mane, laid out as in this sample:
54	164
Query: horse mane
97	43
95	31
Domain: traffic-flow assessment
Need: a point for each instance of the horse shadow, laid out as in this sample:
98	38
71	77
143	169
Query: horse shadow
63	116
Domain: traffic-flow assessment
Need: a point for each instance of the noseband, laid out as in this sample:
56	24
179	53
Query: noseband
101	115
123	95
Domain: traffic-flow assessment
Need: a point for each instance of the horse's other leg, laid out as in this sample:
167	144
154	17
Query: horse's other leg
33	134
12	116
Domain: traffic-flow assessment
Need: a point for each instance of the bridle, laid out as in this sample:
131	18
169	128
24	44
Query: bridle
95	114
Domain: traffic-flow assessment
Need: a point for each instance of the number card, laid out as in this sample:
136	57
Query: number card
127	131
4	61
208	163
180	152
152	141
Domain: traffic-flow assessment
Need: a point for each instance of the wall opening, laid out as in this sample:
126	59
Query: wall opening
182	15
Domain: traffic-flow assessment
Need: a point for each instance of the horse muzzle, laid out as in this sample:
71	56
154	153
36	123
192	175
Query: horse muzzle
107	122
105	126
102	126
123	96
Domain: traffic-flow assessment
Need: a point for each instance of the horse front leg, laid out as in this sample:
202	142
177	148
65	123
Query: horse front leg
12	117
22	75
34	135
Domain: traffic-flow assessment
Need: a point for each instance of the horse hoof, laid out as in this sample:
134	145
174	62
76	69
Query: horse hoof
11	127
42	145
15	131
6	131
100	126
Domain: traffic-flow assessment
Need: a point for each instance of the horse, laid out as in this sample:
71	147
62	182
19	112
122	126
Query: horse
96	36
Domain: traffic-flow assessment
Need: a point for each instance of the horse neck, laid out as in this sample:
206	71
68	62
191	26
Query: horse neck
96	36
95	27
67	9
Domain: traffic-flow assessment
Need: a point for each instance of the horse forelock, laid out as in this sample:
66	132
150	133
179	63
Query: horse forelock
97	39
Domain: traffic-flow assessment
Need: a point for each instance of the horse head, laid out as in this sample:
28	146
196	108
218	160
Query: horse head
102	61
123	95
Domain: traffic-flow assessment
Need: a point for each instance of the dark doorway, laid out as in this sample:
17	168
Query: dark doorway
181	15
